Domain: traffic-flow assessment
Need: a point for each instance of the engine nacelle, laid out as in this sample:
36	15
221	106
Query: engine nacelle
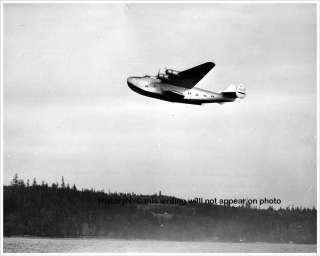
163	76
172	72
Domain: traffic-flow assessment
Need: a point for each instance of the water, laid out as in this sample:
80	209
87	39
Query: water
100	245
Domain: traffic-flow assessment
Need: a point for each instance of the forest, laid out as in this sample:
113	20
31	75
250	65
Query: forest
61	210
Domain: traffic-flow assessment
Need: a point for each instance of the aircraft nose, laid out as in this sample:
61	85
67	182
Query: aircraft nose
130	80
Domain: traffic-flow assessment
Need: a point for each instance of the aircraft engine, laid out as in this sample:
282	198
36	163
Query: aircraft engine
172	72
163	76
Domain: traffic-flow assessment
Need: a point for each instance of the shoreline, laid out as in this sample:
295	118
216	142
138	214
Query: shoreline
101	245
151	240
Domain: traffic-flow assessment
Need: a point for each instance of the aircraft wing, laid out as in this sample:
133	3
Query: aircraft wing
190	77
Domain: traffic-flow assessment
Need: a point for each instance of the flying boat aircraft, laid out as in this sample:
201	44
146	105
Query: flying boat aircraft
179	86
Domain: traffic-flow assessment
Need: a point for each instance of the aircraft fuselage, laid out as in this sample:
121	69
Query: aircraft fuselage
156	88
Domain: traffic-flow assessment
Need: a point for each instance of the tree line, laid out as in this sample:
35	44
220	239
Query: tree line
61	210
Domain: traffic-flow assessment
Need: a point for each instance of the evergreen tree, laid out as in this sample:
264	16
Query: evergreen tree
62	182
14	181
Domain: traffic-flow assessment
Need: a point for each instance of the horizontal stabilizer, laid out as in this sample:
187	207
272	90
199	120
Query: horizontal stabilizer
230	88
233	91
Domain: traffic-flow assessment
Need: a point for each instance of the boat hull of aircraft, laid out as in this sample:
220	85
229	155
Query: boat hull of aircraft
160	96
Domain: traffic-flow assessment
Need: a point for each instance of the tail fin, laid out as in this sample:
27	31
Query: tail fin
235	91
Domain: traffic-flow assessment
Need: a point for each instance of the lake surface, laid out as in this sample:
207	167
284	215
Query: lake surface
100	245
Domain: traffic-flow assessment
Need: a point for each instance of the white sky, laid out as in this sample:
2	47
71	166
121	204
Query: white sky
69	112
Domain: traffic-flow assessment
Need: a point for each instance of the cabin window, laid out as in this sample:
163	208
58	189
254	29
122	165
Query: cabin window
212	96
197	94
146	86
205	95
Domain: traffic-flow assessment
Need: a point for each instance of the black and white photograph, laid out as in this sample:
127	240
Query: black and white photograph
159	127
